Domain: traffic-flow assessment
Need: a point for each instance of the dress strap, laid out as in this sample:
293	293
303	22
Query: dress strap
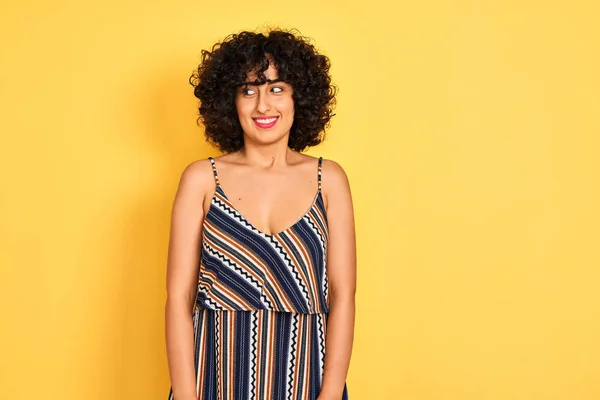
214	167
319	175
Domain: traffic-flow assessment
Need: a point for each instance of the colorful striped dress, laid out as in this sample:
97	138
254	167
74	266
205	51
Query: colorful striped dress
260	315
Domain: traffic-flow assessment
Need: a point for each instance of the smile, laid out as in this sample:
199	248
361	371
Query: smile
265	123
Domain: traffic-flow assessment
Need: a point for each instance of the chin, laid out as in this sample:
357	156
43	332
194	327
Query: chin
268	137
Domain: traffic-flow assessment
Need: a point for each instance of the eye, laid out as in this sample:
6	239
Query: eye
246	90
278	88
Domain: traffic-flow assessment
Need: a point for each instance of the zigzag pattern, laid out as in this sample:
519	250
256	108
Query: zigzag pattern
253	358
234	213
213	304
315	229
261	306
228	233
321	344
233	265
292	363
292	269
218	351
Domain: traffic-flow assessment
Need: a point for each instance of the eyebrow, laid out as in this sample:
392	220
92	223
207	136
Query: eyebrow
256	83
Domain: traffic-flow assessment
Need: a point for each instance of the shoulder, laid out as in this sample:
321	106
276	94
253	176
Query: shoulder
334	173
197	179
334	182
199	172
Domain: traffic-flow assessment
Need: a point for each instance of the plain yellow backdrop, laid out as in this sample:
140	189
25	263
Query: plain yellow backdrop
470	133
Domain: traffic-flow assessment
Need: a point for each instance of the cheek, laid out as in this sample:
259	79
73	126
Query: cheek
287	105
243	108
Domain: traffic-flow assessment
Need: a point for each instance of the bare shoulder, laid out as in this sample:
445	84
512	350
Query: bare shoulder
196	181
334	175
335	183
199	173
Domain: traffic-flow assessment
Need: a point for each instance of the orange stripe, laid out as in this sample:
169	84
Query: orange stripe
267	270
202	356
240	263
231	337
235	245
311	270
207	274
325	234
297	263
231	295
220	339
287	305
298	347
308	343
272	351
259	316
218	286
272	280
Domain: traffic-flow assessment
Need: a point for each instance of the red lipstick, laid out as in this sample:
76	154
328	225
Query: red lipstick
265	122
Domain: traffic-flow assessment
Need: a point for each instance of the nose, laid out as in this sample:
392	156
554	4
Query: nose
263	103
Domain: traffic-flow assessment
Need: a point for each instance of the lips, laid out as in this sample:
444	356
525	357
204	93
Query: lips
265	123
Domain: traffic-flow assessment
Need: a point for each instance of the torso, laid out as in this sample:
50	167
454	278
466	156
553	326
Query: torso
271	200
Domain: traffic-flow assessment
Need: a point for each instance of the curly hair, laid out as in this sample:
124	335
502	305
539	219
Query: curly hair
224	69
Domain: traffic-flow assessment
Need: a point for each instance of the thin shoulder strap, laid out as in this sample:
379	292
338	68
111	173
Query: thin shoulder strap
319	175
214	167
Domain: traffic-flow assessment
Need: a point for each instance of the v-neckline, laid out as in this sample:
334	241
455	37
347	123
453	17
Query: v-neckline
246	220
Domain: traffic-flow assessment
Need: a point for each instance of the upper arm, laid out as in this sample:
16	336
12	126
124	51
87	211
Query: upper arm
187	216
341	250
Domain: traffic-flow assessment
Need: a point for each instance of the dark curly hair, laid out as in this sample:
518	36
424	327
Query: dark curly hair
224	69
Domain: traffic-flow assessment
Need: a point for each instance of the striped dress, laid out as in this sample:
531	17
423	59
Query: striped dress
260	315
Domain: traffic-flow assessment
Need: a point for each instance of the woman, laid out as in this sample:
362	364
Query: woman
260	297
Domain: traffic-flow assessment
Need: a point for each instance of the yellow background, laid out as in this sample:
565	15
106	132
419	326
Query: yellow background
469	131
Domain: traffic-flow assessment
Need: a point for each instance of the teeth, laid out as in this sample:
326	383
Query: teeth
265	121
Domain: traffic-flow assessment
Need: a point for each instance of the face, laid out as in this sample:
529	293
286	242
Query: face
266	112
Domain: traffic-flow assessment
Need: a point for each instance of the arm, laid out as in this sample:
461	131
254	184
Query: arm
182	278
341	273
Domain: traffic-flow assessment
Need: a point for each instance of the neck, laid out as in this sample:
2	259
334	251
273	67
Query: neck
267	156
